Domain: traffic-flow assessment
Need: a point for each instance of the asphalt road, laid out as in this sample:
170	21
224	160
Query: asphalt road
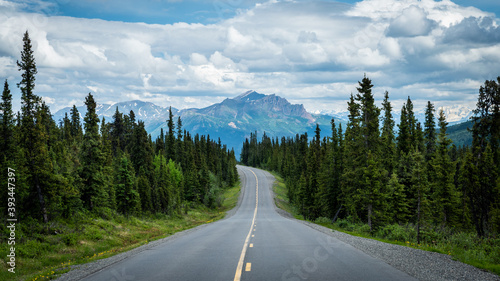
256	243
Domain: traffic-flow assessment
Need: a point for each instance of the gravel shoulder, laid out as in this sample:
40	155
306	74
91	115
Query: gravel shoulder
420	264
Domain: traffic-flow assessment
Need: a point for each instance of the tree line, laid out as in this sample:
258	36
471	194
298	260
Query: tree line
370	173
72	166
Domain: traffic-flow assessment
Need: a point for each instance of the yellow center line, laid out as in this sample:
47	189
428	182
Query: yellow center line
248	267
239	269
251	245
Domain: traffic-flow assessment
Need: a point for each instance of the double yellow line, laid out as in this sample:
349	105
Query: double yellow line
239	269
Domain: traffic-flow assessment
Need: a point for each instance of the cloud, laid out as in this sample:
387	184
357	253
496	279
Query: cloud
412	22
473	30
293	48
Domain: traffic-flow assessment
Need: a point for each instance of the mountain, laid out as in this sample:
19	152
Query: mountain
234	119
152	114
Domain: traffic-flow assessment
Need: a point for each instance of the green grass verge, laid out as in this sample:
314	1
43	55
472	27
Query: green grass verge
91	237
461	246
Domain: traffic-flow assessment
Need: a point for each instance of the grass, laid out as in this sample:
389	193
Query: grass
44	252
462	246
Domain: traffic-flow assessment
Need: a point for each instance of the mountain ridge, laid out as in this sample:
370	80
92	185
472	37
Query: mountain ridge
231	120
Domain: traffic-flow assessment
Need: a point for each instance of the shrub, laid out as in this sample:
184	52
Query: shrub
70	239
322	220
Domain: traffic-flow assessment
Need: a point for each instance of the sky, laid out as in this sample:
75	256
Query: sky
193	53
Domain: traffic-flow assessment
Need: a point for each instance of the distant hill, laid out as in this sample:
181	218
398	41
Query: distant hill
459	134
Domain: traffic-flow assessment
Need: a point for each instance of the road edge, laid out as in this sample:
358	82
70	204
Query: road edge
81	271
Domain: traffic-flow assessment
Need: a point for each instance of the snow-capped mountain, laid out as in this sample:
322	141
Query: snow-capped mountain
234	119
455	114
150	113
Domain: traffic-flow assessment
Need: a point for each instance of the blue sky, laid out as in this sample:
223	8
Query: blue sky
189	11
192	53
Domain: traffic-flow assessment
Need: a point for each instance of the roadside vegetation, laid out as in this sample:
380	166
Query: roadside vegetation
407	183
462	246
75	190
46	251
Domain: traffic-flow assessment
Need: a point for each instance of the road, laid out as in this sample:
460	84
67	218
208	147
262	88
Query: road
256	243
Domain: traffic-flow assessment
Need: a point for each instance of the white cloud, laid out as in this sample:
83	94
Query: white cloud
412	22
296	49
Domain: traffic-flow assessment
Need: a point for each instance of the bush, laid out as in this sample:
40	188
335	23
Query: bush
345	224
33	249
93	234
70	239
322	220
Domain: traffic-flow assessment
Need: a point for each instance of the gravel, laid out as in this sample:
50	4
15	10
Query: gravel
420	264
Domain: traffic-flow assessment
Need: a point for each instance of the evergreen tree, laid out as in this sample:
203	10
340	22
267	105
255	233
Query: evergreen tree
400	207
369	117
388	138
32	136
141	152
419	187
445	193
92	159
127	197
117	133
353	156
429	131
7	125
76	127
144	190
170	139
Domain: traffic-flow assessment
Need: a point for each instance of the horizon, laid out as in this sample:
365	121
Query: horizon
151	51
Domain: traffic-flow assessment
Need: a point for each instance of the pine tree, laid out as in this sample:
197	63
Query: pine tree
92	159
388	138
76	127
419	187
429	131
127	198
371	194
140	149
473	191
400	207
32	136
445	193
6	126
170	138
353	158
117	133
144	190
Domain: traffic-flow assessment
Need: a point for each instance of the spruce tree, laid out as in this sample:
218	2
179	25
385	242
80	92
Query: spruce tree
76	127
170	138
353	158
31	135
388	138
127	198
6	126
92	159
445	193
419	187
429	131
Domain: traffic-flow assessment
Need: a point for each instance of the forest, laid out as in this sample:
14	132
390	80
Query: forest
374	173
54	170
